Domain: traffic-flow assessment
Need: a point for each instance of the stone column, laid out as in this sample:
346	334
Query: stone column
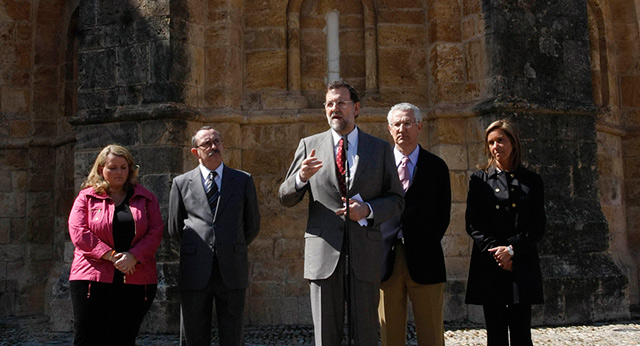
539	74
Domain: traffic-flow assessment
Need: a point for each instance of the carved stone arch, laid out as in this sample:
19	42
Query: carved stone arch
294	54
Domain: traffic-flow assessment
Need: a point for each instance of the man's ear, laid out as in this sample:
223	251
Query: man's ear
194	151
356	109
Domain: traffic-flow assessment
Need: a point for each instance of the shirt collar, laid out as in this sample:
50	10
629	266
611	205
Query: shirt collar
352	137
205	171
413	156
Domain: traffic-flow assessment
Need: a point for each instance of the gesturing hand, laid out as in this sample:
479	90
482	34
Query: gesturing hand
310	166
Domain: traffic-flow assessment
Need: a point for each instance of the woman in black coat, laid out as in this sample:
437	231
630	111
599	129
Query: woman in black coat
505	217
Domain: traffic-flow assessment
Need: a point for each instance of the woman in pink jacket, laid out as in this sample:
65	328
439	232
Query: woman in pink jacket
116	227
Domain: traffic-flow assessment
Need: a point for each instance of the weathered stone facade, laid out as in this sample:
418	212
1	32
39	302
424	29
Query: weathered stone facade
77	75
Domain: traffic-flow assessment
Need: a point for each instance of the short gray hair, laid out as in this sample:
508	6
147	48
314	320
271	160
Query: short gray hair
405	106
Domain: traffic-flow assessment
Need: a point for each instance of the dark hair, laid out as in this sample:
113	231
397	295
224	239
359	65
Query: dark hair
341	83
206	127
511	131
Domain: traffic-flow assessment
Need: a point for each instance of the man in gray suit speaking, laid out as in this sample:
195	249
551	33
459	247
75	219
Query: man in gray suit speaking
213	214
375	195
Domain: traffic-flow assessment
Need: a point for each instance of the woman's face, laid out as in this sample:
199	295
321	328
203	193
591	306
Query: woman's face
501	148
115	171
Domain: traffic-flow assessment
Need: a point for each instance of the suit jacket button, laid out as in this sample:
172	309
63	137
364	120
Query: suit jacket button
497	189
513	205
497	206
393	248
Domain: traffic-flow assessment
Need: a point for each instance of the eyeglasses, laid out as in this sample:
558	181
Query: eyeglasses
208	144
406	125
339	104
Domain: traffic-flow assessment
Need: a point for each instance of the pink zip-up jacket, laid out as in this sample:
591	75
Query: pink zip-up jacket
91	230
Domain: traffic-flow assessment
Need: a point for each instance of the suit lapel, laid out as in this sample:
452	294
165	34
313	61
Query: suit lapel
363	157
327	156
419	167
226	188
196	186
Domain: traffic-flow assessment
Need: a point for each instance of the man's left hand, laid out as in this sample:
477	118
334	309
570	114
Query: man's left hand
357	210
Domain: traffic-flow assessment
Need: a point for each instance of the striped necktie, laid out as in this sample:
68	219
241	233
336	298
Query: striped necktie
212	191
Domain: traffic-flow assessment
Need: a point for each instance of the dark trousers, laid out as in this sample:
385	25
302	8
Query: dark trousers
197	310
508	322
109	314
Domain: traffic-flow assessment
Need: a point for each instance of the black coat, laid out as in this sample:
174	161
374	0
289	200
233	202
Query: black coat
505	208
424	220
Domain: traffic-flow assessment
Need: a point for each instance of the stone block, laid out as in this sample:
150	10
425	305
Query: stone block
13	204
98	136
448	93
266	69
453	154
265	39
447	63
257	16
352	66
96	69
148	158
457	225
403	66
7	303
263	161
63	322
269	270
5	231
163	132
19	128
295	284
39	230
476	60
133	65
391	15
459	186
457	267
391	36
40	203
162	318
15	101
266	289
289	249
456	245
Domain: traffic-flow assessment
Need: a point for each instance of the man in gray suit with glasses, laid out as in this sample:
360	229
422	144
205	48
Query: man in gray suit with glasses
375	195
213	214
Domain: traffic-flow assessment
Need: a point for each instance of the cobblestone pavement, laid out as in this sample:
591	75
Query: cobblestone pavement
31	331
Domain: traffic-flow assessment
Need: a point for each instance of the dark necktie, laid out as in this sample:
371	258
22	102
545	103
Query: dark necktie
212	191
340	168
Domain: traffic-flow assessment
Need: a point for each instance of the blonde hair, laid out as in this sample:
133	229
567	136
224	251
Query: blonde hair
96	180
511	131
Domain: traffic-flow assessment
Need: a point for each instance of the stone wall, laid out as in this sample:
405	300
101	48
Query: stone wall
147	73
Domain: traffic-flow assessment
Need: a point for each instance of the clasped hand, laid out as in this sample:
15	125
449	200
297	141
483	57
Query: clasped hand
502	256
357	210
125	262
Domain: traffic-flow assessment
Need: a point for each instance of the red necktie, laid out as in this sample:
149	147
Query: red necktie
340	168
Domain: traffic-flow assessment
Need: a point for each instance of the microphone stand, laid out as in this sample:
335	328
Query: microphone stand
347	241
